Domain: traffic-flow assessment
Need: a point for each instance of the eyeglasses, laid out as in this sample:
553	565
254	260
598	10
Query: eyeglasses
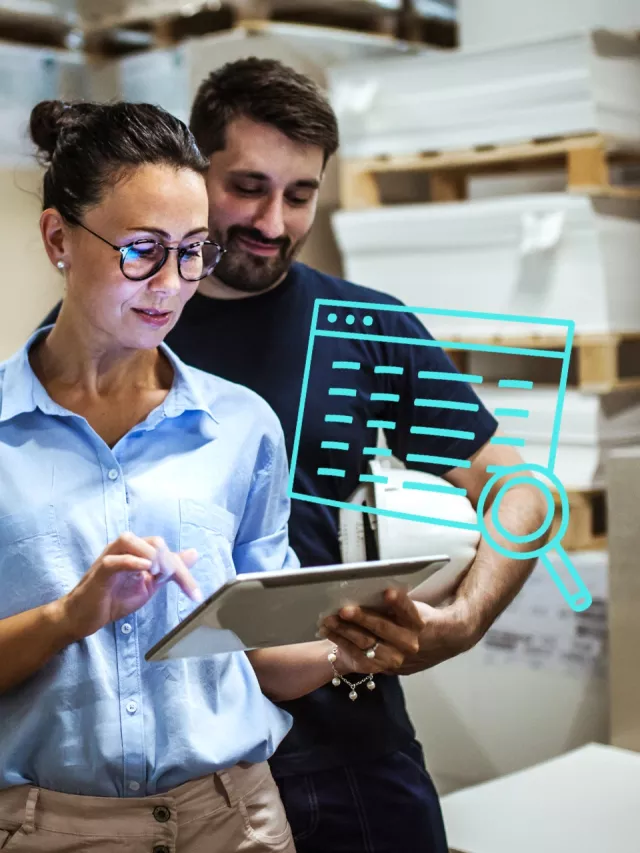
143	258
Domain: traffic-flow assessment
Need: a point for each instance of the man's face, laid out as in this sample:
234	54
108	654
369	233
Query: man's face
263	193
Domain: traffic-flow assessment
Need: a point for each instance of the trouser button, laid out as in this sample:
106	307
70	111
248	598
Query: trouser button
161	814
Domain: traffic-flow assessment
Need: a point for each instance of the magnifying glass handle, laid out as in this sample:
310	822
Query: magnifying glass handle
578	601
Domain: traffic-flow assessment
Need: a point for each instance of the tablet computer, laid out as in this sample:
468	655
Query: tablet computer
266	609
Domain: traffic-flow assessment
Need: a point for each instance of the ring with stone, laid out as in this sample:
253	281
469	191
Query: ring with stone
371	653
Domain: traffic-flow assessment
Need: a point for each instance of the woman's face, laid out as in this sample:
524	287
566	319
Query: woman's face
153	203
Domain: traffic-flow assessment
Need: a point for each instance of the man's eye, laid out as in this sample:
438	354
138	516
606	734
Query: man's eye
248	190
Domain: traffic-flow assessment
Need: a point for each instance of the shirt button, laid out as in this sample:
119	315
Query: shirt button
132	707
161	814
126	628
113	474
134	786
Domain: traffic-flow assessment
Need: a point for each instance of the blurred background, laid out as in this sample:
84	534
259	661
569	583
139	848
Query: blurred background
490	161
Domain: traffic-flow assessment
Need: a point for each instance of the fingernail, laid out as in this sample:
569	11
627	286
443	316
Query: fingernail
348	612
197	595
322	633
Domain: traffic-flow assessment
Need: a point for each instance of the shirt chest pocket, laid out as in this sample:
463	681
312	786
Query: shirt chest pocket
31	565
210	529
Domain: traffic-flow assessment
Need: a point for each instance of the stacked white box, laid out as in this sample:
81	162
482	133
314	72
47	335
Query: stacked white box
500	21
592	427
567	85
29	75
544	255
535	687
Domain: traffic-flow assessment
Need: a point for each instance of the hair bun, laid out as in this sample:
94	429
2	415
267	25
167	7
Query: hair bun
46	123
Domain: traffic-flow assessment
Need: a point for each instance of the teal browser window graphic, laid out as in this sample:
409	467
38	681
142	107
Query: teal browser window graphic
520	368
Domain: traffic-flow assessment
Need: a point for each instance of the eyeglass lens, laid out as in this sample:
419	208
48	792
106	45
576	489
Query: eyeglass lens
145	257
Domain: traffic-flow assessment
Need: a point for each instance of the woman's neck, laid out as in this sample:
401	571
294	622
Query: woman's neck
82	360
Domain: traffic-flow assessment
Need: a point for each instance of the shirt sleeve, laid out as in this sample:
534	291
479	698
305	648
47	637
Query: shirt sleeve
440	422
262	540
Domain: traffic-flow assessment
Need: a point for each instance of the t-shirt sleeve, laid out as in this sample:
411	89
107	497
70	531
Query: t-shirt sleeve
438	421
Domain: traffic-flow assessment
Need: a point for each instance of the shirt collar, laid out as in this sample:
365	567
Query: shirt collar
22	392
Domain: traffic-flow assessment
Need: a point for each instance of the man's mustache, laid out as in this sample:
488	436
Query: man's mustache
257	235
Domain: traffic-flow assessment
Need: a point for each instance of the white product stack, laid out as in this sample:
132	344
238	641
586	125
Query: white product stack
29	75
557	244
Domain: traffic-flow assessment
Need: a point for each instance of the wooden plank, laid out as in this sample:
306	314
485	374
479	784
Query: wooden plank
448	186
587	168
586	159
598	363
358	189
598	357
587	521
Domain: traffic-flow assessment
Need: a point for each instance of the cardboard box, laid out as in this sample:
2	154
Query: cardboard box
623	471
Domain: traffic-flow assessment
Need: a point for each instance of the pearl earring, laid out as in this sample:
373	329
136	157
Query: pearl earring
60	265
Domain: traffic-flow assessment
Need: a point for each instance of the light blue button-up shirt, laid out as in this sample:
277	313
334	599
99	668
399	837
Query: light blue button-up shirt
207	469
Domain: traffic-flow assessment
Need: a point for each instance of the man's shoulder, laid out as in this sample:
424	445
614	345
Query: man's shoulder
395	322
332	287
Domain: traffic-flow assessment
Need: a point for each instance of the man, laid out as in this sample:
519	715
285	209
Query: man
351	774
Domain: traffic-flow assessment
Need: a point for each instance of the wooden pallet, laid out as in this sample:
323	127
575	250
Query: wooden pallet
587	530
115	34
586	159
37	28
599	364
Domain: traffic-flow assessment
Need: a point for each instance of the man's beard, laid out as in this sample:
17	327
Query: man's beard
248	273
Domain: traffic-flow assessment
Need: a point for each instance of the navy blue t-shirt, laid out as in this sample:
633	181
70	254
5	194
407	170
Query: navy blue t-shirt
262	342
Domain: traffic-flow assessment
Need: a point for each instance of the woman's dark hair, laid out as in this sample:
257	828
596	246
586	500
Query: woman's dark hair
267	92
88	147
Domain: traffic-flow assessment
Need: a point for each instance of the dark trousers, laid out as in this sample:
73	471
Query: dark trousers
388	805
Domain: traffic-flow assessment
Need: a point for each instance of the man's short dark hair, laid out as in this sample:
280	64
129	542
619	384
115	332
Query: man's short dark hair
268	92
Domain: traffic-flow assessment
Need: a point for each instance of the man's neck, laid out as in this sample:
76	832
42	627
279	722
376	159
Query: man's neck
216	289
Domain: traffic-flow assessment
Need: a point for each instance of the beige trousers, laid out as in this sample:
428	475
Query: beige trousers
233	811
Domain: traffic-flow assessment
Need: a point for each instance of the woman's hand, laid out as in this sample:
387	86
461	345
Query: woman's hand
356	630
122	580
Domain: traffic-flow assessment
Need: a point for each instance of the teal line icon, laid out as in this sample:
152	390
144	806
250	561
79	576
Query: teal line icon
336	320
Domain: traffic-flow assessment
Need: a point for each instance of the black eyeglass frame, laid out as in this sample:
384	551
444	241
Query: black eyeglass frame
166	249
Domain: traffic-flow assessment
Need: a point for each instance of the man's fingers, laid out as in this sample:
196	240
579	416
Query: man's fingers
386	658
383	628
404	609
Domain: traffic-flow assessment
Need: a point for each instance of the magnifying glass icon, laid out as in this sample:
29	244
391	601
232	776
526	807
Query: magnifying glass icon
564	575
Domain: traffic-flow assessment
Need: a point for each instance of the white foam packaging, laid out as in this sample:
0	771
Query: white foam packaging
503	21
552	255
571	84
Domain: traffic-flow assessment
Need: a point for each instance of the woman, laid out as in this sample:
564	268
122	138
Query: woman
110	446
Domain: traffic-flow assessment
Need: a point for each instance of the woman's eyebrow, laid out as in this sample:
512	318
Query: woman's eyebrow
161	233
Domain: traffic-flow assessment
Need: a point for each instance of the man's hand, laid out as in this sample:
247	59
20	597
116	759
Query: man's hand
447	632
355	630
